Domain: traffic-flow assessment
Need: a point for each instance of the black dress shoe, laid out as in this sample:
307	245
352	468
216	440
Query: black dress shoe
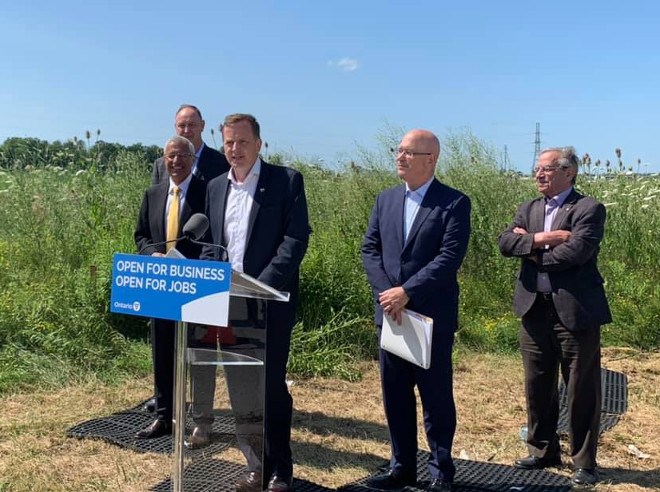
250	482
156	429
439	485
279	484
150	405
536	463
585	476
392	481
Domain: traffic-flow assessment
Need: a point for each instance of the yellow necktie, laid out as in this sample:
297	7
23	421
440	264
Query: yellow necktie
173	220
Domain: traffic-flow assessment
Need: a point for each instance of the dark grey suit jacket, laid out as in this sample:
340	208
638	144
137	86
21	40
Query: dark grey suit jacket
150	228
278	231
211	164
577	286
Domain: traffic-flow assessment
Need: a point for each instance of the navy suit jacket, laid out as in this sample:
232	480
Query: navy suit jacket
426	265
151	229
211	164
577	286
277	236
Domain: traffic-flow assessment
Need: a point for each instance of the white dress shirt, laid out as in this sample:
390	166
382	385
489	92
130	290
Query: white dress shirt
183	189
237	213
413	201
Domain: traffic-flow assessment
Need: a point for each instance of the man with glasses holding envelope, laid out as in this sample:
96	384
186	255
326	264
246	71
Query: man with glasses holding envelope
416	240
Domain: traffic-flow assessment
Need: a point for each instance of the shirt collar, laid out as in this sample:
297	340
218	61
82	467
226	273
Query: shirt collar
183	186
561	197
199	152
256	169
421	191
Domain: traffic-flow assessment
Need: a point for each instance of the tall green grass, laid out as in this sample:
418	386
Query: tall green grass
60	226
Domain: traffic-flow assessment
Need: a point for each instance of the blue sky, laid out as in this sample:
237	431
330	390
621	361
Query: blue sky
324	77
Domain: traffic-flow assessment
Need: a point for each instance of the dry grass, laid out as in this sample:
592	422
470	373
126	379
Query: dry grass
339	433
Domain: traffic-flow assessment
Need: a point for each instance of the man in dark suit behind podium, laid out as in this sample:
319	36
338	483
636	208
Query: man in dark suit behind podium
258	211
416	240
154	226
208	163
560	297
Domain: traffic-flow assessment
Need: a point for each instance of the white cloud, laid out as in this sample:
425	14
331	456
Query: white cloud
345	64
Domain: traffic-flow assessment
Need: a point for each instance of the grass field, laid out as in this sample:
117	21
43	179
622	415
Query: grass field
339	432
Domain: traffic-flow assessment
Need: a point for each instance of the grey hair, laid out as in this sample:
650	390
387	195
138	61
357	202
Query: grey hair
568	158
180	139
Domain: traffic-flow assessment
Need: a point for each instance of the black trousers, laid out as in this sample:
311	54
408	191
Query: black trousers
546	346
163	336
435	386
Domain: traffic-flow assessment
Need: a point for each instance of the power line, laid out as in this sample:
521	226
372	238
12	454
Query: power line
537	144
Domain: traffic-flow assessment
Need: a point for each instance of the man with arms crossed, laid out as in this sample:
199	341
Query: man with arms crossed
165	209
415	243
258	212
560	296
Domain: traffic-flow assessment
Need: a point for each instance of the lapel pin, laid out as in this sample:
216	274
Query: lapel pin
262	190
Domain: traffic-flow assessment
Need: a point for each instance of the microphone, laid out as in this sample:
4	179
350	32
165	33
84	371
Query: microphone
196	226
193	229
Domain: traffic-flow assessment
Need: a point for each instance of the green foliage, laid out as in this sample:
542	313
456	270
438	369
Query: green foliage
75	154
332	349
60	225
59	229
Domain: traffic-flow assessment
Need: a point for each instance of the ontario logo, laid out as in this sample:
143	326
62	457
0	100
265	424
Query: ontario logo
135	306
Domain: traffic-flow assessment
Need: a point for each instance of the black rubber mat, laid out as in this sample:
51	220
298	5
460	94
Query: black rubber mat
206	473
615	400
120	428
615	392
607	421
479	476
216	475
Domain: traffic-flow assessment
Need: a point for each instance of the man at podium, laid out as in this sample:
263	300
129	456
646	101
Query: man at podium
258	213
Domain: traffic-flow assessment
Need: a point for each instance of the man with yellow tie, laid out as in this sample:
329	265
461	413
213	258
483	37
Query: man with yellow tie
165	208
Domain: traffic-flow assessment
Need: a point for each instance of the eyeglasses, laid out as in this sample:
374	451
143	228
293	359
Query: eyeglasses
190	126
545	169
408	154
174	155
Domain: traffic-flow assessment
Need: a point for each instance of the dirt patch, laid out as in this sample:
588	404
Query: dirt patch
339	432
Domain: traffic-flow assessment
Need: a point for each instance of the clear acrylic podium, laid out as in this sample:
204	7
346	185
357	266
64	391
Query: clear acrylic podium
220	371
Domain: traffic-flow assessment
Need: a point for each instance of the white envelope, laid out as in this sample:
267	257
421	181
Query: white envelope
411	340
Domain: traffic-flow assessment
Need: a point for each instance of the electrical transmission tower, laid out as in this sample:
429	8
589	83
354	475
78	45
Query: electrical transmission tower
537	144
506	164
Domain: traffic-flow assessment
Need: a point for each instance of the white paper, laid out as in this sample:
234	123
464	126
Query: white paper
411	340
175	253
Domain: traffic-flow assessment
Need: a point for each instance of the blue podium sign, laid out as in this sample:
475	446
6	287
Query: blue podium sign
194	291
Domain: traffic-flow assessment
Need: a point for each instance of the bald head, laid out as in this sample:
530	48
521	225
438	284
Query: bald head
416	157
425	141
